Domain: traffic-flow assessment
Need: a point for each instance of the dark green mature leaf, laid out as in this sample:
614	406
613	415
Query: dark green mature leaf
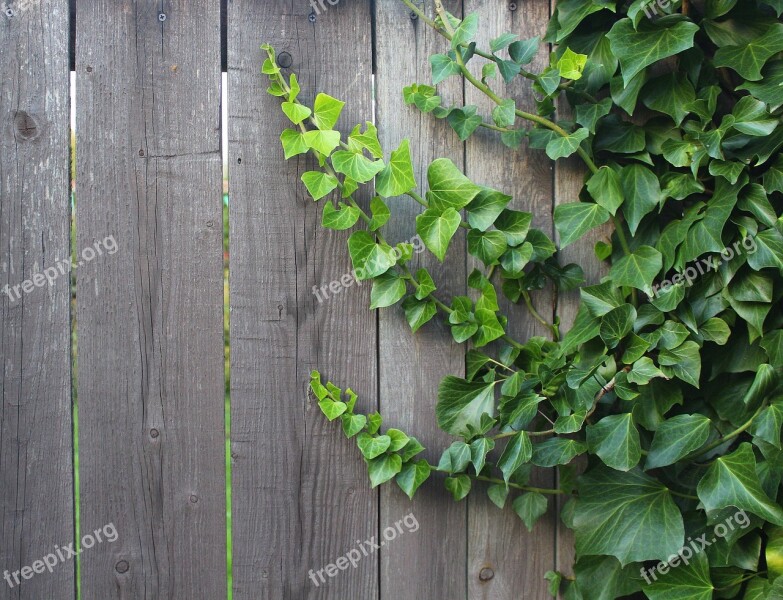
684	362
383	468
651	42
464	121
418	312
570	13
748	59
683	582
387	289
487	246
768	424
669	94
630	516
443	67
563	146
459	486
615	440
637	269
530	507
616	324
604	578
574	219
412	475
677	437
642	192
461	404
606	189
732	481
518	451
556	451
515	225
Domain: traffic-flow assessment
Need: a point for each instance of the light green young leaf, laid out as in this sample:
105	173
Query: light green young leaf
366	140
397	177
356	166
563	146
380	213
345	218
571	64
322	141
296	112
319	184
449	188
293	143
326	111
387	289
437	228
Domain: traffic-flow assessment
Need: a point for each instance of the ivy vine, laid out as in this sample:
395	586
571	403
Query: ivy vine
661	407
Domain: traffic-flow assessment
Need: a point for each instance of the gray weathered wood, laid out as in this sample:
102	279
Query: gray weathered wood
515	559
36	450
150	316
301	497
430	563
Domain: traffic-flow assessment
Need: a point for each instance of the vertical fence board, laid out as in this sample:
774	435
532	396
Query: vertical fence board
430	563
517	559
301	497
150	316
36	450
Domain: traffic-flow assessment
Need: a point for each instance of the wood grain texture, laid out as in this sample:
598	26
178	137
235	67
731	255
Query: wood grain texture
301	496
515	559
430	563
150	316
36	449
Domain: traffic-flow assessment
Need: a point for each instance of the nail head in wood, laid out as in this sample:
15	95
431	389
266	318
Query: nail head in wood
122	566
486	574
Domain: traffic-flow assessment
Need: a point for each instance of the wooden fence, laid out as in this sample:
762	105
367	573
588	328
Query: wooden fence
151	428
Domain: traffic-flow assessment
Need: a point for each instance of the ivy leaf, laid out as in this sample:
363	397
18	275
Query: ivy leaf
485	208
332	409
487	246
768	424
293	143
630	516
418	312
651	42
296	112
515	225
570	13
556	451
387	289
319	184
345	218
616	324
523	52
677	437
322	141
748	59
383	468
367	140
373	446
497	494
637	269
412	475
461	404
518	451
689	580
502	41
356	166
615	440
466	31
530	507
449	188
479	448
732	481
571	64
369	259
563	146
397	177
606	189
589	114
455	458
326	111
353	424
642	192
436	229
458	486
752	118
503	114
574	219
443	67
464	121
684	362
670	94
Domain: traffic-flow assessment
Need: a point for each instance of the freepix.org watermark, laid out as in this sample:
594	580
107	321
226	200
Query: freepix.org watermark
698	268
348	279
107	533
354	556
60	267
693	547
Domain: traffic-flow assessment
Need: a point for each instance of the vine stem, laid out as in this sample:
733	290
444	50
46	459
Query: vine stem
518	486
537	316
728	436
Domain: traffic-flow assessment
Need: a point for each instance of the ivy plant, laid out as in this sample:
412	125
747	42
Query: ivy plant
661	406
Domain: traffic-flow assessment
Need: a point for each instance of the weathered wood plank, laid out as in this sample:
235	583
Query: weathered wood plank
150	317
430	563
513	560
36	448
301	497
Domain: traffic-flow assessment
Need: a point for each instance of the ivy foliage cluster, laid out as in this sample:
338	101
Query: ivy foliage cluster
666	390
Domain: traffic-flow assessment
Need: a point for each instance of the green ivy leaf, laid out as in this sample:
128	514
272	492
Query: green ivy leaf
356	166
615	440
458	486
515	225
606	189
449	188
487	246
479	448
651	42
677	437
557	451
353	424
383	468
319	184
530	507
748	59
455	458
637	269
466	31
293	143
684	362
691	581
503	114
412	475
630	516
322	141
485	208
616	324
368	258
461	404
296	112
345	218
326	111
373	446
443	67
518	451
574	219
367	140
387	289
464	121
332	409
563	146
418	312
397	177
642	193
571	64
732	481
437	228
523	52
